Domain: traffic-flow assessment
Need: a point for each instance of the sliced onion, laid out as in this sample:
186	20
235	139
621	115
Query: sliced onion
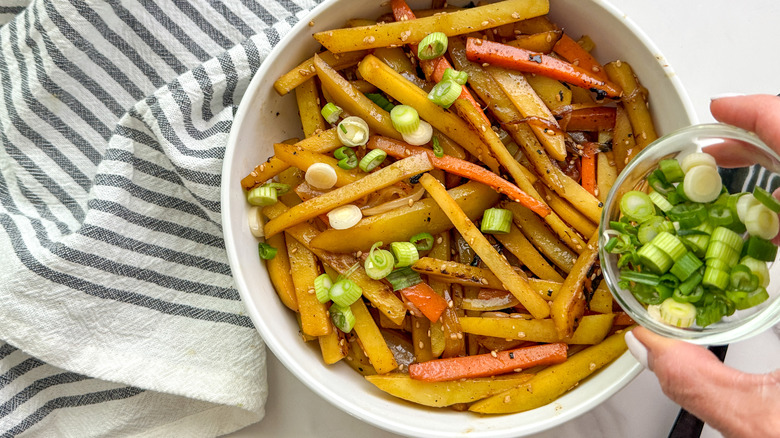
762	222
346	216
396	203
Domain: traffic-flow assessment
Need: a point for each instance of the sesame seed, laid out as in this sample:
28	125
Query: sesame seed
592	366
507	399
311	23
520	334
253	173
549	38
493	353
484	23
421	344
485	64
439	240
618	63
576	62
483	280
460	336
450	304
515	15
595	68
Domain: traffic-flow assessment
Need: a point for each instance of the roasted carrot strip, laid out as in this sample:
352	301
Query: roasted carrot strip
593	119
492	364
432	68
573	52
515	58
462	168
426	300
588	170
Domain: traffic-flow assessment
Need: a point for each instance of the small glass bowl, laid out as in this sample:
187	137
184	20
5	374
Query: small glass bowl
735	149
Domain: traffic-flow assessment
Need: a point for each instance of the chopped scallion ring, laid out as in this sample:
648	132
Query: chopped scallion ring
342	317
372	159
381	100
767	199
379	262
744	203
422	241
702	184
405	253
262	196
421	135
438	151
353	131
322	285
345	292
637	206
460	77
266	251
677	314
432	46
346	216
496	221
347	158
403	278
331	112
321	176
762	222
405	119
445	93
698	159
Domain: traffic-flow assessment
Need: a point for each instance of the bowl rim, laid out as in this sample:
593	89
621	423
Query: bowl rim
755	323
297	369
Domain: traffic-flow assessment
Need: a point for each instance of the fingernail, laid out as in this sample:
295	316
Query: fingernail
723	95
637	349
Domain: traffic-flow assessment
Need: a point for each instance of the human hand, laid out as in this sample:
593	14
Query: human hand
735	403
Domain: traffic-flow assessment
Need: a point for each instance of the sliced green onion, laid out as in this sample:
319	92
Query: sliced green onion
345	292
744	203
689	215
672	170
691	283
654	259
381	101
347	157
405	253
762	222
730	238
677	314
432	46
702	184
637	206
685	266
698	159
372	159
660	201
262	196
445	93
760	249
353	131
670	245
321	176
331	112
722	252
640	277
657	182
403	278
322	285
721	215
422	241
438	151
758	268
692	297
460	77
421	135
496	221
342	318
379	262
745	300
741	278
650	228
266	251
346	216
766	198
405	119
716	278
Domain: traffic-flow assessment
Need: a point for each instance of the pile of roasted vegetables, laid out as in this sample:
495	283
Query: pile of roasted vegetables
440	216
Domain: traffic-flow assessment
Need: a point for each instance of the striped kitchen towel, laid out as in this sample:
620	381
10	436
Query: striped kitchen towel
118	315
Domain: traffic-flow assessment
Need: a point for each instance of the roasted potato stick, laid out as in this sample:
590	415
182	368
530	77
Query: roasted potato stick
302	159
567	308
305	71
601	301
524	250
402	223
325	141
554	381
606	174
571	215
279	272
531	106
371	339
378	73
439	394
309	109
535	230
594	328
542	42
343	195
513	282
357	359
623	144
333	346
634	102
378	293
314	315
413	31
553	93
421	339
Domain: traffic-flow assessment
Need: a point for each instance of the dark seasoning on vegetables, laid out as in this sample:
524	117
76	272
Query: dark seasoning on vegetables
441	213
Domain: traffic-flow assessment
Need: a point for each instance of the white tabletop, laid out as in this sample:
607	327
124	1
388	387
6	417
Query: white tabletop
716	47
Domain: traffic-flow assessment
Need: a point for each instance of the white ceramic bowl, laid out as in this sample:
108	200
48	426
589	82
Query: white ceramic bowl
264	117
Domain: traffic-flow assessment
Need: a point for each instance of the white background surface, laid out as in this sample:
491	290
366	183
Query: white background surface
715	47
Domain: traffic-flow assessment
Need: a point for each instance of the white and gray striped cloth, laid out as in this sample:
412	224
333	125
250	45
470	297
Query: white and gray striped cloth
118	314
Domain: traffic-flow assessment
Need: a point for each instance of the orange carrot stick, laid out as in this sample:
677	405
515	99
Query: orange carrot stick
598	118
515	58
588	170
432	68
431	304
571	51
462	168
484	365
